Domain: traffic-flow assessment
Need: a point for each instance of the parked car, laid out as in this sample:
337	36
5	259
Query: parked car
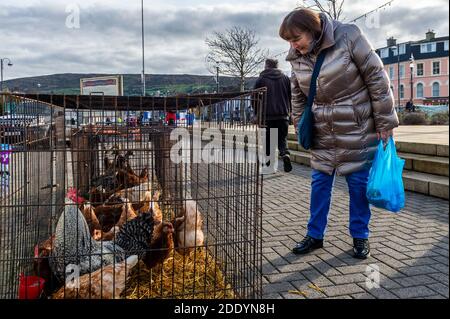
14	127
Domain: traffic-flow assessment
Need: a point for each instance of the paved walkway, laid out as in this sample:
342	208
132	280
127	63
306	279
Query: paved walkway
409	248
432	134
429	134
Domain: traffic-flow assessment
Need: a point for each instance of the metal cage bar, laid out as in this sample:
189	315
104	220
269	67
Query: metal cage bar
90	181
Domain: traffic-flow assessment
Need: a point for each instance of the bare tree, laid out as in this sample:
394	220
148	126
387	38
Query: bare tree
236	52
333	8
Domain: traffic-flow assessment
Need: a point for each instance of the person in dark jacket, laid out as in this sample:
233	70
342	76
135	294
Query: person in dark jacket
278	110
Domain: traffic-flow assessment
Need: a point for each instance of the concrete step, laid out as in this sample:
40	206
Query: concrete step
423	148
427	184
435	165
404	147
419	182
300	157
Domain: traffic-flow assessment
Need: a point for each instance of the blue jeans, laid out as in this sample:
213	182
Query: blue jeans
321	188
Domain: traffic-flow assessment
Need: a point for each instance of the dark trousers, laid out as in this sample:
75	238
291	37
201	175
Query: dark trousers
283	127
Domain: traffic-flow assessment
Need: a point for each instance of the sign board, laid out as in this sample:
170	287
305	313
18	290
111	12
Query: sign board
105	85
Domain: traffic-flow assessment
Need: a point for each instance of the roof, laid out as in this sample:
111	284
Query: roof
134	103
440	39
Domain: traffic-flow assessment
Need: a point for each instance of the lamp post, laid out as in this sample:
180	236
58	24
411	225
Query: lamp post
217	77
143	48
9	63
397	50
411	67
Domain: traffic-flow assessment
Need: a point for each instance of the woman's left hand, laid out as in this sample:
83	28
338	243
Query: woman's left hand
384	135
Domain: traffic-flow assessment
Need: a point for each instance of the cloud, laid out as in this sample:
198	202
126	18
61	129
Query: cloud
34	34
407	23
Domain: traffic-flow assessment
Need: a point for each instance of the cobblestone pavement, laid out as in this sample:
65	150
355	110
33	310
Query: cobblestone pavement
409	248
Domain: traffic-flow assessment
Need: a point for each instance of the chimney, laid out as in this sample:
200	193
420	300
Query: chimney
391	42
430	35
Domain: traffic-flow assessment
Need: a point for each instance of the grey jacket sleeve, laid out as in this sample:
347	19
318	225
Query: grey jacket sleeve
298	99
375	77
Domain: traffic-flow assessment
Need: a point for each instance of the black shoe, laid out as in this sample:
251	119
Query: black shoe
361	248
287	163
307	245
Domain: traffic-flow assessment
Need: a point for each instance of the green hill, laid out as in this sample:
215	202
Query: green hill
69	83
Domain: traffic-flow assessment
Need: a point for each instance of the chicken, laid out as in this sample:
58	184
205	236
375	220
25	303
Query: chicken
127	179
73	244
152	241
109	235
161	244
108	182
155	208
140	196
108	165
98	195
105	283
74	196
89	214
102	218
128	213
117	214
41	264
123	162
188	228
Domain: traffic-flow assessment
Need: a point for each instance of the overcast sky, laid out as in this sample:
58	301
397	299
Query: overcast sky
34	35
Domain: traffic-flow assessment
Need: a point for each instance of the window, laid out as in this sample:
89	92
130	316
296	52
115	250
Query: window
402	91
384	53
402	71
401	48
419	90
419	69
428	47
391	72
446	45
436	68
436	89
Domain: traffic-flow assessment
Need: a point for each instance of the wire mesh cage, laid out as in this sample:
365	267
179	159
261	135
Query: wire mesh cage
131	197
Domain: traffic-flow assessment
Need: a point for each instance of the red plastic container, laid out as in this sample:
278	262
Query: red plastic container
30	287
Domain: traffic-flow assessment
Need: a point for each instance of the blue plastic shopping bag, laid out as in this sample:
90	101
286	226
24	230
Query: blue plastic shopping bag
385	186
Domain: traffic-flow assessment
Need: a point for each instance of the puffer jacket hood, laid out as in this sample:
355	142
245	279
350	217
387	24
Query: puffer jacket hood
353	101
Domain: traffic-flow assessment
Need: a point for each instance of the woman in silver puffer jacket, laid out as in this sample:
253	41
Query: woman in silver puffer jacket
353	109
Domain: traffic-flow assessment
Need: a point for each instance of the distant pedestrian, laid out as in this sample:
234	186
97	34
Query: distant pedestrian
278	111
249	114
236	114
408	106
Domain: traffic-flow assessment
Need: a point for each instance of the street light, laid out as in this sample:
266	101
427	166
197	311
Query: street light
143	49
411	67
217	76
397	50
2	60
